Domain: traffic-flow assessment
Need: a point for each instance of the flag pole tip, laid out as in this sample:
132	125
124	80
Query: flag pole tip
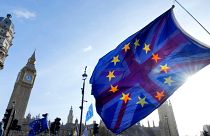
173	6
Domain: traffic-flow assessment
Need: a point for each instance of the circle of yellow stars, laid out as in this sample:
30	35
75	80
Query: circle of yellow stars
160	94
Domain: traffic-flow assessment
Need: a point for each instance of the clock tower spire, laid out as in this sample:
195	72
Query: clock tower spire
22	88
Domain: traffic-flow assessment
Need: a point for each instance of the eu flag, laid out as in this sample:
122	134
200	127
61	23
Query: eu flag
89	114
38	126
144	70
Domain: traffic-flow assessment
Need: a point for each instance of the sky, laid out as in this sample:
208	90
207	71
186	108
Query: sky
71	34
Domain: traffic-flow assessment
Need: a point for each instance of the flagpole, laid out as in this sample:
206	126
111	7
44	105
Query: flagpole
81	107
192	16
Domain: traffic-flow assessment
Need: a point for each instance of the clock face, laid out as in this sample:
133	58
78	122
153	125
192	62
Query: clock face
28	77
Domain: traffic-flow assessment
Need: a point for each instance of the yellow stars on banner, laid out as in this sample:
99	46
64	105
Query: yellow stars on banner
164	68
168	81
125	97
115	59
126	47
136	43
159	95
114	89
111	75
142	101
146	48
155	57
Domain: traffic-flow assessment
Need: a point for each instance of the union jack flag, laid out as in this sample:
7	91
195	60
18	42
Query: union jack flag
143	71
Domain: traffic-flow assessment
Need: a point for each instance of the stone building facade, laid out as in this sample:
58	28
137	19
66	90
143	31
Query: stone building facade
22	89
167	122
6	36
70	116
165	128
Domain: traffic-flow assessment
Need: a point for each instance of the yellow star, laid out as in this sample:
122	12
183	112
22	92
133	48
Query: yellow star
115	59
164	68
146	48
111	75
125	97
159	95
155	57
126	47
136	43
142	101
114	89
168	81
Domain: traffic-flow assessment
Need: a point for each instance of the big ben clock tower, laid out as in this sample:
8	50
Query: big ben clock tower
22	88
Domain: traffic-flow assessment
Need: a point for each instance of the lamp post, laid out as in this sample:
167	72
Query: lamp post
84	77
10	120
166	117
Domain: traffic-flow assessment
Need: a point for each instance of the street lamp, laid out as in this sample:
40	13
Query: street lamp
10	119
166	117
84	77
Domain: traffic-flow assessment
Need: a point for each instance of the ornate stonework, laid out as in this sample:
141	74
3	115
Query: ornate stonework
6	36
22	88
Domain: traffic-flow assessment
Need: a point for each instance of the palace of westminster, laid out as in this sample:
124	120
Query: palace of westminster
24	84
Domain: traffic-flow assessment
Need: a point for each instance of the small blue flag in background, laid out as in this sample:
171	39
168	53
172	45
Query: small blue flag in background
143	71
89	114
38	126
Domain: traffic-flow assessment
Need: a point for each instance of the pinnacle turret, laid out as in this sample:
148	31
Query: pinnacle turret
70	116
31	61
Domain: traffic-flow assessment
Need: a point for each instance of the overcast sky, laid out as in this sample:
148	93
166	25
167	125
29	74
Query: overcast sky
70	34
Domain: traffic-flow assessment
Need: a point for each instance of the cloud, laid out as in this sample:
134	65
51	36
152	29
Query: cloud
87	49
24	13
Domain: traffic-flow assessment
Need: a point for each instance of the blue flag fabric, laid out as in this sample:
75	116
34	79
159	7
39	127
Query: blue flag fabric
143	71
89	114
38	126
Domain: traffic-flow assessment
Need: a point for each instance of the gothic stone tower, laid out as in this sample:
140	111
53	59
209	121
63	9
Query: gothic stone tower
167	122
6	36
22	88
70	116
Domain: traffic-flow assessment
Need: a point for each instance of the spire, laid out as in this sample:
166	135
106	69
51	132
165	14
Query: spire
148	123
28	116
153	123
31	61
169	103
76	121
70	116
